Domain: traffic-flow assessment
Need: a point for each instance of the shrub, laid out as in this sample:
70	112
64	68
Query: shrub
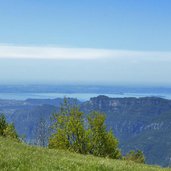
136	156
7	130
3	124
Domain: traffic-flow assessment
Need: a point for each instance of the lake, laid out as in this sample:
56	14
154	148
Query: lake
80	96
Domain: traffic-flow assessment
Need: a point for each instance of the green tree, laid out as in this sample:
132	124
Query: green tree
86	135
69	129
7	130
103	142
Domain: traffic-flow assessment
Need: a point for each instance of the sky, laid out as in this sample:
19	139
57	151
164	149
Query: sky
125	42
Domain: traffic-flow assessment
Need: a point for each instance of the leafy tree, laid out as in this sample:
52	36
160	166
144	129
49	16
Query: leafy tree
86	135
7	130
136	156
69	126
103	143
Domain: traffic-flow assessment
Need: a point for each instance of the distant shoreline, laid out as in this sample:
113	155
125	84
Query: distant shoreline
79	96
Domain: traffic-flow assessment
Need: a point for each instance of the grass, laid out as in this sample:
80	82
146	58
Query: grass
16	156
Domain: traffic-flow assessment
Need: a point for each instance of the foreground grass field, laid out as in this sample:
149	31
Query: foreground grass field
17	156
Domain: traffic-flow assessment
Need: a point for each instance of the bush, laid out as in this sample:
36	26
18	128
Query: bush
136	156
85	135
7	130
3	124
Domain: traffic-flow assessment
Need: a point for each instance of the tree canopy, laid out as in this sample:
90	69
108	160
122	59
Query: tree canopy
85	134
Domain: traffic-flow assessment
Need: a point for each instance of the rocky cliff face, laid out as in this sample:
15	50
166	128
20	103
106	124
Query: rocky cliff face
134	114
138	121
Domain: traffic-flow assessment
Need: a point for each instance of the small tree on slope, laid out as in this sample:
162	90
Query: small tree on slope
7	130
73	133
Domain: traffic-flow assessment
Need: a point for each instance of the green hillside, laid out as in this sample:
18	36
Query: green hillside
17	156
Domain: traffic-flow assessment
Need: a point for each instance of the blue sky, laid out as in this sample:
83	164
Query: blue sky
91	41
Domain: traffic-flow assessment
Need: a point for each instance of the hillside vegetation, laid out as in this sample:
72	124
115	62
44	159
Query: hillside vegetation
18	156
138	123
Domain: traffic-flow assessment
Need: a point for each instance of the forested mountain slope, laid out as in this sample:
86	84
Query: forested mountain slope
138	123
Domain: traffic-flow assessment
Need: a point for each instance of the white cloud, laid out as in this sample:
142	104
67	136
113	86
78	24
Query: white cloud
38	52
46	52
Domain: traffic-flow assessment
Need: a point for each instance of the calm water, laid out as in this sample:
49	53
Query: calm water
80	96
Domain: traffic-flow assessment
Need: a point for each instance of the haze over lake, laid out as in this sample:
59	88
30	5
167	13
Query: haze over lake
81	92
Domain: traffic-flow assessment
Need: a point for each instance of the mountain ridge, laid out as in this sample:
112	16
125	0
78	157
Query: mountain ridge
133	120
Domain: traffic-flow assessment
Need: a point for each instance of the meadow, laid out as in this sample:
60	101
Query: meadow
19	156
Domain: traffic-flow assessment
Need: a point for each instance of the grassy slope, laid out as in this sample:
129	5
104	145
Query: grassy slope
16	156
